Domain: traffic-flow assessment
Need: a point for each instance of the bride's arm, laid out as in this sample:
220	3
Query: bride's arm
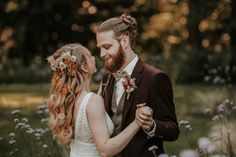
97	123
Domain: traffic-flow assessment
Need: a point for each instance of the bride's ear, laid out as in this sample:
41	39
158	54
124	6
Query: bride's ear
84	68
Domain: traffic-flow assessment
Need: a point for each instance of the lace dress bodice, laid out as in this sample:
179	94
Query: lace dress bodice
83	144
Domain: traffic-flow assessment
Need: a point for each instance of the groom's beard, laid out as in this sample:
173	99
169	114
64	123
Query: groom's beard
117	61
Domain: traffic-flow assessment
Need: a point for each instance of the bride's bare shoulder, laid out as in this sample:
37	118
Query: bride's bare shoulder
96	101
96	97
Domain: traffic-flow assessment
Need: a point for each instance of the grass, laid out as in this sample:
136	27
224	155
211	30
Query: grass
190	101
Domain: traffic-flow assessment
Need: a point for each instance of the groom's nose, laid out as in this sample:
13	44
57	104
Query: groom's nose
102	53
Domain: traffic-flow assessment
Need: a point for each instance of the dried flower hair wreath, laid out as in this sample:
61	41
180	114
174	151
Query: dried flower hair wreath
64	63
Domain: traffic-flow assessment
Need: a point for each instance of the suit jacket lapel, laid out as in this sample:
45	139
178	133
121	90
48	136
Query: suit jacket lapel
107	93
138	75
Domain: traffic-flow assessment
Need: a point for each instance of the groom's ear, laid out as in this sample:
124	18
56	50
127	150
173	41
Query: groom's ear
124	42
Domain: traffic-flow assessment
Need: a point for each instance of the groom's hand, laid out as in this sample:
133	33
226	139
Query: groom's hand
144	117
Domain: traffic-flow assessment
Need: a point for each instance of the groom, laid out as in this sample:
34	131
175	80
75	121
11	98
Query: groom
130	82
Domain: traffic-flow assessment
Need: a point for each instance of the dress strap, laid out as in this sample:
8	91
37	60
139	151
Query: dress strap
82	110
85	101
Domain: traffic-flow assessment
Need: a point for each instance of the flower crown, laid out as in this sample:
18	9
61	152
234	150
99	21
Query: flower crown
64	63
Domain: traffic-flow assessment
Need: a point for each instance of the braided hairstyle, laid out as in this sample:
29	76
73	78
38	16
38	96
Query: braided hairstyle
67	83
122	25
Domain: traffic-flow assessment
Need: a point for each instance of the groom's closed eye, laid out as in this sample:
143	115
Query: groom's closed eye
107	46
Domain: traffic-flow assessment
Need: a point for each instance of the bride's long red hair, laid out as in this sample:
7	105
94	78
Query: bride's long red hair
66	85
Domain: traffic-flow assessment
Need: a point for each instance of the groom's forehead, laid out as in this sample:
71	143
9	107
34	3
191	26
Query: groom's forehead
105	40
107	35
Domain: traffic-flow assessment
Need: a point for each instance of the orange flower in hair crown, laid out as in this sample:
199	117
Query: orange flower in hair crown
64	63
128	84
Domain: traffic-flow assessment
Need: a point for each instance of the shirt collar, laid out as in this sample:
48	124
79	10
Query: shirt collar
130	67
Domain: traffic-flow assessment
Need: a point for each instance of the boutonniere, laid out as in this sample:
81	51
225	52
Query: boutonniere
128	84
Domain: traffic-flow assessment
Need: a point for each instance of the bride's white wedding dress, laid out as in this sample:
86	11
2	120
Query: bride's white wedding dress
83	144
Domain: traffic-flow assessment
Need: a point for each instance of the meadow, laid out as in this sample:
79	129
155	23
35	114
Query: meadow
206	113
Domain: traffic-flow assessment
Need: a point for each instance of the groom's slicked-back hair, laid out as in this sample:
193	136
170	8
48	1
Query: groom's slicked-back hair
122	25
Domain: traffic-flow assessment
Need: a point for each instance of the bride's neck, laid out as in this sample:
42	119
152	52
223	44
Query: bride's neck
86	86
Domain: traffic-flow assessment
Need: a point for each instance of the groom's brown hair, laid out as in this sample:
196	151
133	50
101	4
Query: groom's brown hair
122	25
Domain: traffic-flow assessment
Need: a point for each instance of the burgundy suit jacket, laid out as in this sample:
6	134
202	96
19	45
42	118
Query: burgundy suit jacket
153	88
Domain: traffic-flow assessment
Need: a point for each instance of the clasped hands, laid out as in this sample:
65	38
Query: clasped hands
143	117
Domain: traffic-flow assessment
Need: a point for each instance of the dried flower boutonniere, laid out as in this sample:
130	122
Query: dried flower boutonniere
128	84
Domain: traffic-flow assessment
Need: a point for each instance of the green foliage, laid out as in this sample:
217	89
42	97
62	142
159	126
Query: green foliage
180	33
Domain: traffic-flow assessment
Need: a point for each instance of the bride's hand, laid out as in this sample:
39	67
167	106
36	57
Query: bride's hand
144	116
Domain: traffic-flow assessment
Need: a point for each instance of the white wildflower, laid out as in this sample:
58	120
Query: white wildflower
42	107
62	65
204	144
53	66
39	130
11	153
227	101
12	134
188	153
183	122
46	130
65	54
207	78
20	125
215	118
234	108
50	59
163	155
37	134
207	111
221	116
73	59
25	120
30	131
43	120
11	142
15	112
16	120
188	127
39	112
220	108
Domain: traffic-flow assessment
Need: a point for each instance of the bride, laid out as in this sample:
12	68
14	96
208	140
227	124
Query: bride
77	116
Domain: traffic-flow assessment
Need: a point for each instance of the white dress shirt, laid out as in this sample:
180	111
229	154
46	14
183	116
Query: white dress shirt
119	90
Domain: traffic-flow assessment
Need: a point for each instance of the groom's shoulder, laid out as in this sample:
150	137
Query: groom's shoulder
151	70
154	74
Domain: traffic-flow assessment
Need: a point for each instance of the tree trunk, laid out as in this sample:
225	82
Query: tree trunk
233	42
194	19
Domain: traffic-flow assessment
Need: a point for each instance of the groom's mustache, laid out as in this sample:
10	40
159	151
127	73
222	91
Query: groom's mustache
104	58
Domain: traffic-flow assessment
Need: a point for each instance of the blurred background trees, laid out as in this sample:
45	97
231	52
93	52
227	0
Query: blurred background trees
193	41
